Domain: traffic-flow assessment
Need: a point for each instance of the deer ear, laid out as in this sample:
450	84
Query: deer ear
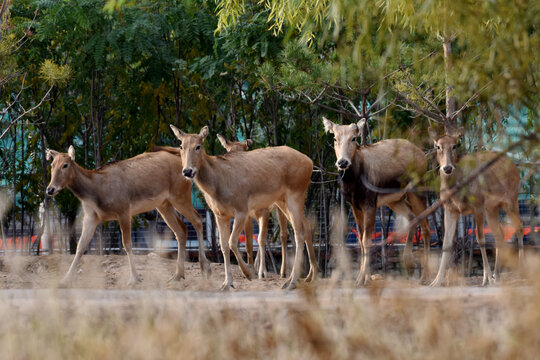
50	154
328	125
224	142
458	133
177	132
249	143
71	152
433	134
355	128
204	132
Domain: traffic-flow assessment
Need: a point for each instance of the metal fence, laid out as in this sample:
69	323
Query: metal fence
150	233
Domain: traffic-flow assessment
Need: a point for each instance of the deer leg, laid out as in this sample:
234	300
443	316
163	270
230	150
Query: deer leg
239	222
479	219
283	235
359	218
295	209
248	231
125	227
513	214
263	231
90	223
179	229
195	219
313	266
418	205
493	222
223	224
402	208
450	223
364	276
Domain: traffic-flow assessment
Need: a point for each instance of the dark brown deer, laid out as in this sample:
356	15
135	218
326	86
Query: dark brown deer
232	146
494	189
241	184
366	172
121	190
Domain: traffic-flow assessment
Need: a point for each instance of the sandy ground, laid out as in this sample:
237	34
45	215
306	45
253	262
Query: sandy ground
112	272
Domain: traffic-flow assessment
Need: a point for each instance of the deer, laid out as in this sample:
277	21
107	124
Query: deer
375	175
120	190
232	146
244	184
494	189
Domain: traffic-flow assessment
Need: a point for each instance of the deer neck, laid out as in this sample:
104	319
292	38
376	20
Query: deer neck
83	186
208	177
350	175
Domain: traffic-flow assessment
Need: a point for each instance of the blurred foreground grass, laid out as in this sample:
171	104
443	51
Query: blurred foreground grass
321	323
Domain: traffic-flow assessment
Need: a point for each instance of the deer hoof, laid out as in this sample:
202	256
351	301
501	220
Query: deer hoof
206	270
286	285
176	277
133	280
311	276
65	283
226	287
290	286
362	280
424	279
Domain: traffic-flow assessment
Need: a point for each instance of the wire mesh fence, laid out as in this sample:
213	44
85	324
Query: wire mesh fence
324	202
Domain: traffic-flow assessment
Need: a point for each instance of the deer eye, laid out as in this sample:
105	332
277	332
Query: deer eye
64	166
438	147
353	139
454	147
181	148
198	147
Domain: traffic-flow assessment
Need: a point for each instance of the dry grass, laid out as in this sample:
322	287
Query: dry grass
321	322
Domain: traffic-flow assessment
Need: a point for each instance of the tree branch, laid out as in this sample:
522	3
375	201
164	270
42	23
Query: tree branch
420	110
26	112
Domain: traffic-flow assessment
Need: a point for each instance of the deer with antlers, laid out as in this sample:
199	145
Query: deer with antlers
232	146
241	184
494	189
121	190
377	175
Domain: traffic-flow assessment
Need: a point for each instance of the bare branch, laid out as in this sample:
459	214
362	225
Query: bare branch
354	108
13	122
473	97
381	109
3	9
377	101
420	110
429	102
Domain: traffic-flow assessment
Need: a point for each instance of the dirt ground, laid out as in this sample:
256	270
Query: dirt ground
112	272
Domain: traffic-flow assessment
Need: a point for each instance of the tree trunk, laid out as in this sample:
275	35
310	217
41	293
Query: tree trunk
72	235
177	81
14	184
97	132
451	122
45	231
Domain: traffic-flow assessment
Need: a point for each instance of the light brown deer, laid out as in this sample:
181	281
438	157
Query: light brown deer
232	146
241	184
377	175
494	189
121	190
